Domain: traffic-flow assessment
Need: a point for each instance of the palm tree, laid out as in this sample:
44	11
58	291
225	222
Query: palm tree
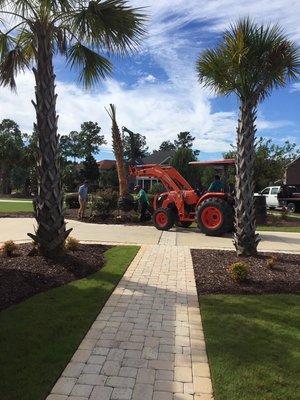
250	62
118	151
79	31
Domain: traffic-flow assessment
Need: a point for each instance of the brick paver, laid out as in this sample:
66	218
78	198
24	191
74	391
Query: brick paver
147	343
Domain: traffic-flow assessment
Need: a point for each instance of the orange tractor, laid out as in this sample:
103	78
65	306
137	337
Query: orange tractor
182	205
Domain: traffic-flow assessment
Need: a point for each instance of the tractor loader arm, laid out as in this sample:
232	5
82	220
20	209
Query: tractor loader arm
169	176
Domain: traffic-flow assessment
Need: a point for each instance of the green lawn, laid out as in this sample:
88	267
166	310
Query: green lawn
39	336
15	206
253	345
271	228
279	228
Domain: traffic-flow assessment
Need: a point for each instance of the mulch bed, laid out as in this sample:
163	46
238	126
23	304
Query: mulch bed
283	223
19	214
73	215
212	276
126	219
22	276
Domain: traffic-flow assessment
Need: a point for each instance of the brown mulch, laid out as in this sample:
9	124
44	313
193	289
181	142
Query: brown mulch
73	215
284	223
212	276
126	219
22	276
20	214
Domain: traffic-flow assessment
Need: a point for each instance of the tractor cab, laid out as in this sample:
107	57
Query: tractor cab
220	167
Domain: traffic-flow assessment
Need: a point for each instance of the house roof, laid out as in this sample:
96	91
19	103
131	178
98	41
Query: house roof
212	163
293	162
158	157
105	165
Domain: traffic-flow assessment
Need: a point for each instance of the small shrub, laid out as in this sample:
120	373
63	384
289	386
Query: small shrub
9	247
104	203
239	271
18	195
135	218
71	200
109	195
284	215
72	244
273	219
101	208
271	262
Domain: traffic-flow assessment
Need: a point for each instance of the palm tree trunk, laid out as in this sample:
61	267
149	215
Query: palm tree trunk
51	232
118	150
245	238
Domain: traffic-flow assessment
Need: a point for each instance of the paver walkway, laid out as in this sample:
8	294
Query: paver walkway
147	342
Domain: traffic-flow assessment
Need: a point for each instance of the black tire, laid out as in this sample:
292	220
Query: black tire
183	224
169	219
291	207
224	208
126	203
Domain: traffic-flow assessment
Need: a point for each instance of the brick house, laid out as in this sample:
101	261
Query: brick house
292	173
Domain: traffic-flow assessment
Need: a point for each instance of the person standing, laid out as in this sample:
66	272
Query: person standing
82	198
143	202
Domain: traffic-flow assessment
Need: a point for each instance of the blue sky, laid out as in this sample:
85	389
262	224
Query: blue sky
156	90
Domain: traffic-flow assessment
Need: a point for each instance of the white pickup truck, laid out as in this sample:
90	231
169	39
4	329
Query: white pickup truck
270	194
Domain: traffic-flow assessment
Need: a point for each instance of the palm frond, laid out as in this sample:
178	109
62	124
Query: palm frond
27	41
252	60
57	7
13	62
6	42
26	7
111	23
60	36
92	66
213	71
111	111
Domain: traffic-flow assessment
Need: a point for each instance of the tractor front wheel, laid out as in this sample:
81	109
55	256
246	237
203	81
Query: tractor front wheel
163	219
214	216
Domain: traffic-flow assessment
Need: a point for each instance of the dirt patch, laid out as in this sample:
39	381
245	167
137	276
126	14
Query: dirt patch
22	276
212	276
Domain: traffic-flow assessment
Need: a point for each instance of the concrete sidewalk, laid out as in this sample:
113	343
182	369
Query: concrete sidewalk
17	228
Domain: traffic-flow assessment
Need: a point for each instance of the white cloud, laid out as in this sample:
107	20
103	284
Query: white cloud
218	14
153	110
147	79
263	124
160	109
296	87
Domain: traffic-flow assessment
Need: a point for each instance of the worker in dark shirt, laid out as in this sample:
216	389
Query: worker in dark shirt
143	202
217	185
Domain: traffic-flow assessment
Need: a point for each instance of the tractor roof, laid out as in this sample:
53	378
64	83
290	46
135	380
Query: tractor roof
213	163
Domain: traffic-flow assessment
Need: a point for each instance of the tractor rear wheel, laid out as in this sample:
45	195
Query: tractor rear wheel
183	224
214	216
163	219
